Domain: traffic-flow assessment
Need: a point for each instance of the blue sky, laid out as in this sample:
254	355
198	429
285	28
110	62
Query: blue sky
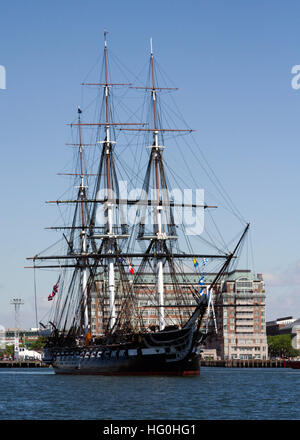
232	62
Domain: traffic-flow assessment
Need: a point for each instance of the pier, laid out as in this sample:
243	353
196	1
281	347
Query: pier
231	363
243	363
22	364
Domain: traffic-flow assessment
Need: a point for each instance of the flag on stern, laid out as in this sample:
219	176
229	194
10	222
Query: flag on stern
54	290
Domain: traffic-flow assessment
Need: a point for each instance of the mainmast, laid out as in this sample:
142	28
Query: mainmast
156	158
83	237
108	247
108	152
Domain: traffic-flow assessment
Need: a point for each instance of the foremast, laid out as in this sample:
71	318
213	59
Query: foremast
160	236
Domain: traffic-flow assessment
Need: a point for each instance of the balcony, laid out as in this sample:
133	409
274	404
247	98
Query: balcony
244	316
244	329
244	322
244	309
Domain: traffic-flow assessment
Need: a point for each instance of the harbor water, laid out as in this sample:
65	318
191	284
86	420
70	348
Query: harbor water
217	394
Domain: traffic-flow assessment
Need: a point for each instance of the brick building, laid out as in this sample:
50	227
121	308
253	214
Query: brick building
241	318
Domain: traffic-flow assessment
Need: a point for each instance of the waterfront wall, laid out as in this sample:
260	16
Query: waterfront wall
22	364
231	363
243	363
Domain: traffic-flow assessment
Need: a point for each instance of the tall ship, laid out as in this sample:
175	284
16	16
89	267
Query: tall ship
106	318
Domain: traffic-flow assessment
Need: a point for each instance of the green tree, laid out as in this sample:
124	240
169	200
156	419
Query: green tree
281	346
38	344
8	351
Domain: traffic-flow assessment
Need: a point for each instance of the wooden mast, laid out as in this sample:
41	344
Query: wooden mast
107	146
83	237
156	158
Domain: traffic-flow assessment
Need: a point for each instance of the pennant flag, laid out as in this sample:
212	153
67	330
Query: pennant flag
87	338
201	281
131	270
196	262
54	290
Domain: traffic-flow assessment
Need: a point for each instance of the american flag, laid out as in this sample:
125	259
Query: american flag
54	290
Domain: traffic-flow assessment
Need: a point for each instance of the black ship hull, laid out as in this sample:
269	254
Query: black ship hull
163	353
135	366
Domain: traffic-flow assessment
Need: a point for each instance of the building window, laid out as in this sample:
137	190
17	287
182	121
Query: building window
244	284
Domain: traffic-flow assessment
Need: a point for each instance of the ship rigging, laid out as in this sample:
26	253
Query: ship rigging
102	256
